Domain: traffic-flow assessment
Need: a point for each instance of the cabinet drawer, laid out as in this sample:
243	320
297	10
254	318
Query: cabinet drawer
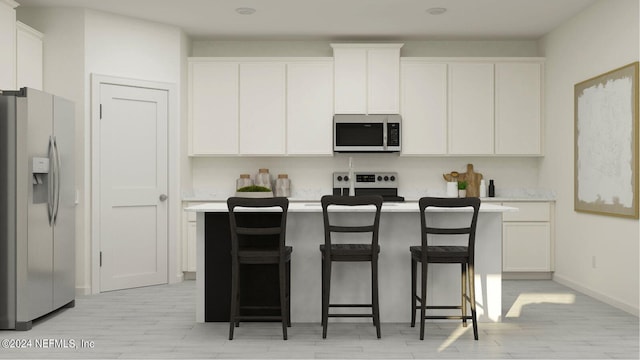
527	211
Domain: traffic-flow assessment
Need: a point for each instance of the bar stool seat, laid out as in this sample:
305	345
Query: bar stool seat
261	256
350	252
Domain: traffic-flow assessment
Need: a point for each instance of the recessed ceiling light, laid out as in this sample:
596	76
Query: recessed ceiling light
245	10
436	11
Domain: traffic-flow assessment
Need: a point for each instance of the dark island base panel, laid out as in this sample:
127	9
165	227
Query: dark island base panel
258	286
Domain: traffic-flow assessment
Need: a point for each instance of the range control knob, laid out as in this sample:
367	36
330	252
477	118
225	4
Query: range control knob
386	178
346	178
339	178
392	178
379	178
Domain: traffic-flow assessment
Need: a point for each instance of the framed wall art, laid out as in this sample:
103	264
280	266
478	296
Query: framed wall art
606	143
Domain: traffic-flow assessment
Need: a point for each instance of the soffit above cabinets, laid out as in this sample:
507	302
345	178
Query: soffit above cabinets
339	20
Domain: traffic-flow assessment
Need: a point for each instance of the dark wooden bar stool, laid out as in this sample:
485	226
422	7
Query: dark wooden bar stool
445	254
350	252
255	241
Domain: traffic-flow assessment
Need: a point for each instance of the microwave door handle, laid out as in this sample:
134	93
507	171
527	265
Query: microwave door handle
384	135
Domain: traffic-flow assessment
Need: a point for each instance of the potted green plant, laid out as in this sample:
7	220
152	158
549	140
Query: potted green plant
254	191
462	188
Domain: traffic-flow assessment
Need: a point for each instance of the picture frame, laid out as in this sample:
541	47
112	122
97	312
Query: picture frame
606	143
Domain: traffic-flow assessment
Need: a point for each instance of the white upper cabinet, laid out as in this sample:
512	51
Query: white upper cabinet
262	108
29	57
471	87
310	108
423	92
213	107
8	41
518	108
367	78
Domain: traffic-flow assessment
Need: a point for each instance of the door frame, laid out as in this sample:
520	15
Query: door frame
173	170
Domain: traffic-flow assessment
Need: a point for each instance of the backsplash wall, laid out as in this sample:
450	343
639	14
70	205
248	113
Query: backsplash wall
311	176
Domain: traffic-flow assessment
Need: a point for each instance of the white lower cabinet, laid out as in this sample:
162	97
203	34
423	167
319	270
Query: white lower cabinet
189	239
527	239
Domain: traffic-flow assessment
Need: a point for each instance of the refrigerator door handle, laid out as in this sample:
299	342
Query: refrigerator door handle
57	180
50	199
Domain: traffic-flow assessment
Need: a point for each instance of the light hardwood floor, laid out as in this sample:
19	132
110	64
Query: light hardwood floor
543	320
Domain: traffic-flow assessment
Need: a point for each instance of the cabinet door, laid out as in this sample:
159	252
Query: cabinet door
471	108
526	246
518	97
383	81
424	108
262	108
29	57
310	108
213	107
350	76
191	247
8	41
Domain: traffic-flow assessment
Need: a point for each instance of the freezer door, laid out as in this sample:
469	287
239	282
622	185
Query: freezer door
64	208
7	212
34	260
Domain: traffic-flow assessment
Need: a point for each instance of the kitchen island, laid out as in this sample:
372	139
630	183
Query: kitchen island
399	229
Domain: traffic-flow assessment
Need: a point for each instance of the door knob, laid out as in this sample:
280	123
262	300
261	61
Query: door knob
163	197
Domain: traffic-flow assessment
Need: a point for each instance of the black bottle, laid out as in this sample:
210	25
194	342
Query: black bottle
492	189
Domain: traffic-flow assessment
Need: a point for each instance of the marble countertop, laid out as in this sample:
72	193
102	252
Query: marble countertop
410	195
314	206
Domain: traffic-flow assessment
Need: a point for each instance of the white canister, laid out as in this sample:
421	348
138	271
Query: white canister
452	189
263	178
483	189
283	185
244	180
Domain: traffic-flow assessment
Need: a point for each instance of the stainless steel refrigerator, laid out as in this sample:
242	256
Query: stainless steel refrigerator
37	206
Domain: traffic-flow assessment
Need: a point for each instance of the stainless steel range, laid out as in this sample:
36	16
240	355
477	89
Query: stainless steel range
368	183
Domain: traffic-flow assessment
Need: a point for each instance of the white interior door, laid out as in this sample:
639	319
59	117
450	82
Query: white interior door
133	187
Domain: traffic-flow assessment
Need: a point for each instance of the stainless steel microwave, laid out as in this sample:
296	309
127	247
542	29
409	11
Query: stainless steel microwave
366	133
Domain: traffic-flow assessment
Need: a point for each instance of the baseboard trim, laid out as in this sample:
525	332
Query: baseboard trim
599	296
527	275
81	291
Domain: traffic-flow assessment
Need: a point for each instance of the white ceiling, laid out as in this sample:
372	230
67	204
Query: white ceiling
345	19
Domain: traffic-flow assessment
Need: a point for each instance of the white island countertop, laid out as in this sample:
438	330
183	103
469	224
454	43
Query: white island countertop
392	207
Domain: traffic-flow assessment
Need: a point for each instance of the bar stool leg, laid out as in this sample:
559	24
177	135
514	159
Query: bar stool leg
423	298
288	293
463	291
283	299
472	299
374	297
413	291
326	289
234	299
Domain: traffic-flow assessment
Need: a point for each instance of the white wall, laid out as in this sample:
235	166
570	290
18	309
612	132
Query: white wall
118	46
79	43
63	75
8	41
311	176
601	38
323	48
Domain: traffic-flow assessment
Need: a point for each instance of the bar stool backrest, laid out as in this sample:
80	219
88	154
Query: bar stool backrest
426	202
251	232
353	201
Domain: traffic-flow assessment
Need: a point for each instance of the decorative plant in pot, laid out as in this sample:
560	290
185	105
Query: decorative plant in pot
462	188
254	191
